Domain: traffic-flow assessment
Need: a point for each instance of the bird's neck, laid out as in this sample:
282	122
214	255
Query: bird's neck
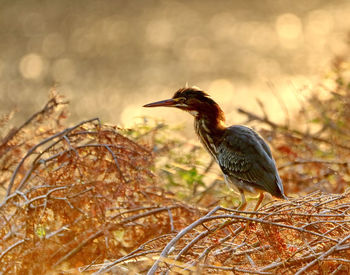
210	129
210	120
209	126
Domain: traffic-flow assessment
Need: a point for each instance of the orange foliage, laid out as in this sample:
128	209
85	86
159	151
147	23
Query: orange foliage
78	195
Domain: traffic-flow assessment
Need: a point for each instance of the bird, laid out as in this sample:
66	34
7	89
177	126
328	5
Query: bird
244	157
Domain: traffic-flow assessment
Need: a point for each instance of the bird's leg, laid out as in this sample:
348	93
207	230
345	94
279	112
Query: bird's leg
243	204
261	197
241	207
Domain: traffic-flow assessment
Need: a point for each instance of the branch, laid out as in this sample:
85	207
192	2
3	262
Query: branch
135	253
32	150
52	103
183	232
323	255
12	247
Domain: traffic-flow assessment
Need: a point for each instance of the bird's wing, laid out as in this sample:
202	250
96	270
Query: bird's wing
245	156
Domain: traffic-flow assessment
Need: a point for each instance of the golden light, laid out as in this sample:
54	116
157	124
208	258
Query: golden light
267	69
339	45
223	26
129	115
159	33
199	54
225	87
289	29
320	22
263	38
31	66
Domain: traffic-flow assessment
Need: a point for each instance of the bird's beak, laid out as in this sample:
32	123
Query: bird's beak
164	103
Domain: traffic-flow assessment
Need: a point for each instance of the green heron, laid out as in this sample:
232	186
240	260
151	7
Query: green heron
243	156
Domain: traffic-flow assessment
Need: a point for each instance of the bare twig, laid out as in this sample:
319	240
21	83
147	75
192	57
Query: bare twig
323	255
184	231
135	253
59	135
12	247
51	104
232	268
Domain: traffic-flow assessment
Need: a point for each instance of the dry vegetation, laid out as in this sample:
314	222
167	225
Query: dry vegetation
90	198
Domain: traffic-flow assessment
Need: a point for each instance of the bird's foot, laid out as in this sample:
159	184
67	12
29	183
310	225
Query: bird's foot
242	206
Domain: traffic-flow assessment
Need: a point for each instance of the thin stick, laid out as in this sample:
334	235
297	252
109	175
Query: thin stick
323	255
32	150
184	231
52	103
12	247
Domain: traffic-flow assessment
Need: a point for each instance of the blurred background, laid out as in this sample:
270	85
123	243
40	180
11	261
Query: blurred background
111	57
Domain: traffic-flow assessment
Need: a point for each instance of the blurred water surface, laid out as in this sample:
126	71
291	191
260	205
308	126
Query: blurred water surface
111	57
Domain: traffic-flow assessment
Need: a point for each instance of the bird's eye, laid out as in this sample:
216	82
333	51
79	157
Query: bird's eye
181	99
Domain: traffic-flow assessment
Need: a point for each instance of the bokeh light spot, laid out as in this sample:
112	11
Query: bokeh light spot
289	29
31	66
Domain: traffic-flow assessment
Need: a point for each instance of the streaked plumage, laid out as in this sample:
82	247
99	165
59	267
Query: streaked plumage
243	156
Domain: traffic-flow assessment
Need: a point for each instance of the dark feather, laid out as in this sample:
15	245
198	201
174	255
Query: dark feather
244	156
191	92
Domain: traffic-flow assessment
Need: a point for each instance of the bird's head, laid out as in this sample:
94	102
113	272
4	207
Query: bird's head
193	100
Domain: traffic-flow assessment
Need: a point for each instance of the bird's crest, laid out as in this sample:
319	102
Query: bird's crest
190	91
